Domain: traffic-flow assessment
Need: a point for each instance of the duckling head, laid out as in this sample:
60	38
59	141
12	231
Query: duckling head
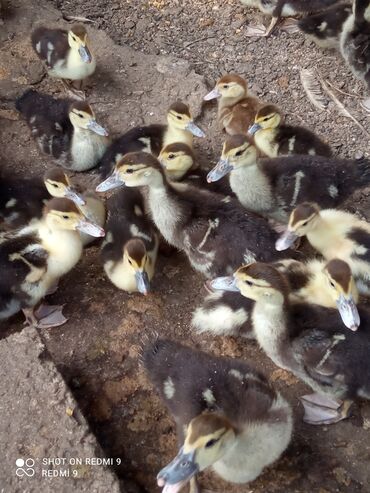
58	185
267	117
82	116
302	220
135	169
230	86
262	281
177	159
77	40
179	116
237	151
209	436
135	255
63	214
343	288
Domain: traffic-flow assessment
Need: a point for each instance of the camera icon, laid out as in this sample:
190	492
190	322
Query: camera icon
25	467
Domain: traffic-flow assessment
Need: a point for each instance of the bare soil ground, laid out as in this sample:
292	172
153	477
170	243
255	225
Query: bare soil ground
97	350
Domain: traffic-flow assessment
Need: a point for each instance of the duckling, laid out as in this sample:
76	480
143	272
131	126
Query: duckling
273	187
65	129
179	164
355	42
228	415
329	284
180	128
274	138
66	54
284	8
129	252
214	234
308	341
236	108
34	258
325	28
58	184
334	234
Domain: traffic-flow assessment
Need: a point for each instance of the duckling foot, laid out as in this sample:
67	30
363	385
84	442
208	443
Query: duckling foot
322	410
289	25
260	30
46	316
73	91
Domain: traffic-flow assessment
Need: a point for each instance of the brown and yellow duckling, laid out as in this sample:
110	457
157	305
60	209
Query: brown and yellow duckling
334	234
273	187
236	108
34	258
316	282
308	341
129	251
66	54
214	234
275	138
228	416
153	138
64	129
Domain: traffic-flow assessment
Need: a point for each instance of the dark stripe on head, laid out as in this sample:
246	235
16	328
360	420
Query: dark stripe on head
81	106
267	110
136	249
56	174
61	205
207	424
178	147
303	211
227	79
340	271
79	30
181	108
235	141
267	273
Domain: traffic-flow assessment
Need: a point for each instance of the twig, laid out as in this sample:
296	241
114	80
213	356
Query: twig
356	96
197	41
71	18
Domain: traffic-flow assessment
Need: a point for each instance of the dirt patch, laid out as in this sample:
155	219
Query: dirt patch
97	350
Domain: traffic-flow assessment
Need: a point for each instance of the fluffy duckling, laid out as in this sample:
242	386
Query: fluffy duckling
58	184
236	109
283	8
274	138
214	234
273	187
153	138
64	129
308	341
335	234
355	42
329	284
34	258
325	28
179	163
129	252
65	53
228	415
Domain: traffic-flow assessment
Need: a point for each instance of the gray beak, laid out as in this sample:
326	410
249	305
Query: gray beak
348	312
285	241
222	168
113	181
254	128
227	283
85	54
72	195
142	282
90	228
178	472
215	93
195	130
98	129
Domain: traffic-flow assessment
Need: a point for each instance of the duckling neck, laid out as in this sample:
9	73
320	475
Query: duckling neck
87	148
270	322
174	134
323	238
265	141
225	102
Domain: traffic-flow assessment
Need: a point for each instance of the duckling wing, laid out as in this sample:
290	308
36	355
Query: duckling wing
300	140
51	45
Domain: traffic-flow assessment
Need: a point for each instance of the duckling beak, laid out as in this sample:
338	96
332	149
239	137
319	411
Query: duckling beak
254	128
198	132
113	181
72	195
285	241
348	312
227	283
178	472
85	54
222	168
142	282
215	93
95	127
90	228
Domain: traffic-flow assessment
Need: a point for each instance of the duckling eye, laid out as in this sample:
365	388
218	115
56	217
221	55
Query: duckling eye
129	171
225	86
55	185
305	223
79	114
179	117
171	156
211	442
239	153
65	217
332	284
267	118
130	261
249	283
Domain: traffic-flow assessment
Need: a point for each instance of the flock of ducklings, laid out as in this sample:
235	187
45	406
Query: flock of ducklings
237	224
